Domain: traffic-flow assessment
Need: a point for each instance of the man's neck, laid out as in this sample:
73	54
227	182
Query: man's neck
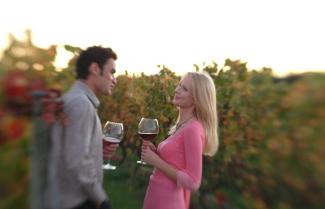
88	83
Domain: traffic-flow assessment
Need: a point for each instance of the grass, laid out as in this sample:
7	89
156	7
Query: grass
121	188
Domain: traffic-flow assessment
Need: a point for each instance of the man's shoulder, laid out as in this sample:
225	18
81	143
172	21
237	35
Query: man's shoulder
74	94
75	97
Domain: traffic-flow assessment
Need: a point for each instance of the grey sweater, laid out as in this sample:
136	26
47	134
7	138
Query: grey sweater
77	151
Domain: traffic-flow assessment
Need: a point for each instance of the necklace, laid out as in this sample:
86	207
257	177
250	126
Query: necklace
178	125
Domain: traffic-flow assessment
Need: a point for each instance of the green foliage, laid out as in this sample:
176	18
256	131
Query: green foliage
14	178
270	129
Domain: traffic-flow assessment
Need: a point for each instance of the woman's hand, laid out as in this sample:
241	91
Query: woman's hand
147	143
149	156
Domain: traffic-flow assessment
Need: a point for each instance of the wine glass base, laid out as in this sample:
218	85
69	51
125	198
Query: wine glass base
141	162
109	167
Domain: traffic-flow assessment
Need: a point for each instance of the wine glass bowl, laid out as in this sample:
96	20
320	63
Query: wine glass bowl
148	129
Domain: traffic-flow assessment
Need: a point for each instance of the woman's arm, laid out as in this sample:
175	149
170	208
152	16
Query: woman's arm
152	158
190	177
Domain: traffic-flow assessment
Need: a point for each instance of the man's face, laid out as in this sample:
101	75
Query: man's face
106	81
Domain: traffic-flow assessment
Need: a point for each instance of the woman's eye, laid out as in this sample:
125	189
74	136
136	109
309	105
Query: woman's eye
184	88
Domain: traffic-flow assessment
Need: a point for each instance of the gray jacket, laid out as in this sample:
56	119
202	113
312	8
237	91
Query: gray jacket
77	151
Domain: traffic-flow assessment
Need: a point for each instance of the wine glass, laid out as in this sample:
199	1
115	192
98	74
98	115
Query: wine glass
148	129
113	134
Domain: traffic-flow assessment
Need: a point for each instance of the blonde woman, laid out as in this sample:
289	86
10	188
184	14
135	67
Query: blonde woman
178	159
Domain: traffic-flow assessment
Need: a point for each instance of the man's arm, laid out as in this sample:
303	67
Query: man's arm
78	137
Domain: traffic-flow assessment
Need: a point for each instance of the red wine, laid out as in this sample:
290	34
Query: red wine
147	136
110	140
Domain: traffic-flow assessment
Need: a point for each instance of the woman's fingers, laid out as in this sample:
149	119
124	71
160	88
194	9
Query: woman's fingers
144	153
149	144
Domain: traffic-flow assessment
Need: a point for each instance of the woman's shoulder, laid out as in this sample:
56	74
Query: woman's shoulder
194	130
194	125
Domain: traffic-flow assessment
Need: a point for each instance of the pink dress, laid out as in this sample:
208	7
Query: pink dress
183	150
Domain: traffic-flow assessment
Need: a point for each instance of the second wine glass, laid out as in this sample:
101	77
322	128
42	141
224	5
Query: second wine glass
113	134
148	129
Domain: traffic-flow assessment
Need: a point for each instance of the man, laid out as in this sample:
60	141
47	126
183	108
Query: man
79	142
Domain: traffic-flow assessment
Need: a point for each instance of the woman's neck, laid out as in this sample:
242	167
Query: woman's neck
184	117
185	114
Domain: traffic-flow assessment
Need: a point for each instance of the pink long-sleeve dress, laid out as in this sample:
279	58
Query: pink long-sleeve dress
183	150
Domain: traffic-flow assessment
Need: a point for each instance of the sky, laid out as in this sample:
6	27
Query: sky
285	35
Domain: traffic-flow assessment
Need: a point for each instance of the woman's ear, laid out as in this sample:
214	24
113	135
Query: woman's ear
94	69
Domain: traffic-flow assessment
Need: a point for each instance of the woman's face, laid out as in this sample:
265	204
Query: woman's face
183	93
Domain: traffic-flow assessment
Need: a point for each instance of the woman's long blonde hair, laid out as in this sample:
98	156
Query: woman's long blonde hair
205	101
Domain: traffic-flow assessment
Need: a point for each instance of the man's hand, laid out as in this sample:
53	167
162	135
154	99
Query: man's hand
109	151
104	205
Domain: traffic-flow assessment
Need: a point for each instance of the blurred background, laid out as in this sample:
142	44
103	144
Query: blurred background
267	65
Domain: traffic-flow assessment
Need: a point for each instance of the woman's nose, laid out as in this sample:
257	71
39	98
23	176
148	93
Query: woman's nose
177	89
114	81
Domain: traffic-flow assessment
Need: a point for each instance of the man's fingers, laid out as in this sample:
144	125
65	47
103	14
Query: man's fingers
111	147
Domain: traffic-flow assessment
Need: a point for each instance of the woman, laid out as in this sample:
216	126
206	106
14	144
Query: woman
178	159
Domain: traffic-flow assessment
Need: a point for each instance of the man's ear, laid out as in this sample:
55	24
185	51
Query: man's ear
94	69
